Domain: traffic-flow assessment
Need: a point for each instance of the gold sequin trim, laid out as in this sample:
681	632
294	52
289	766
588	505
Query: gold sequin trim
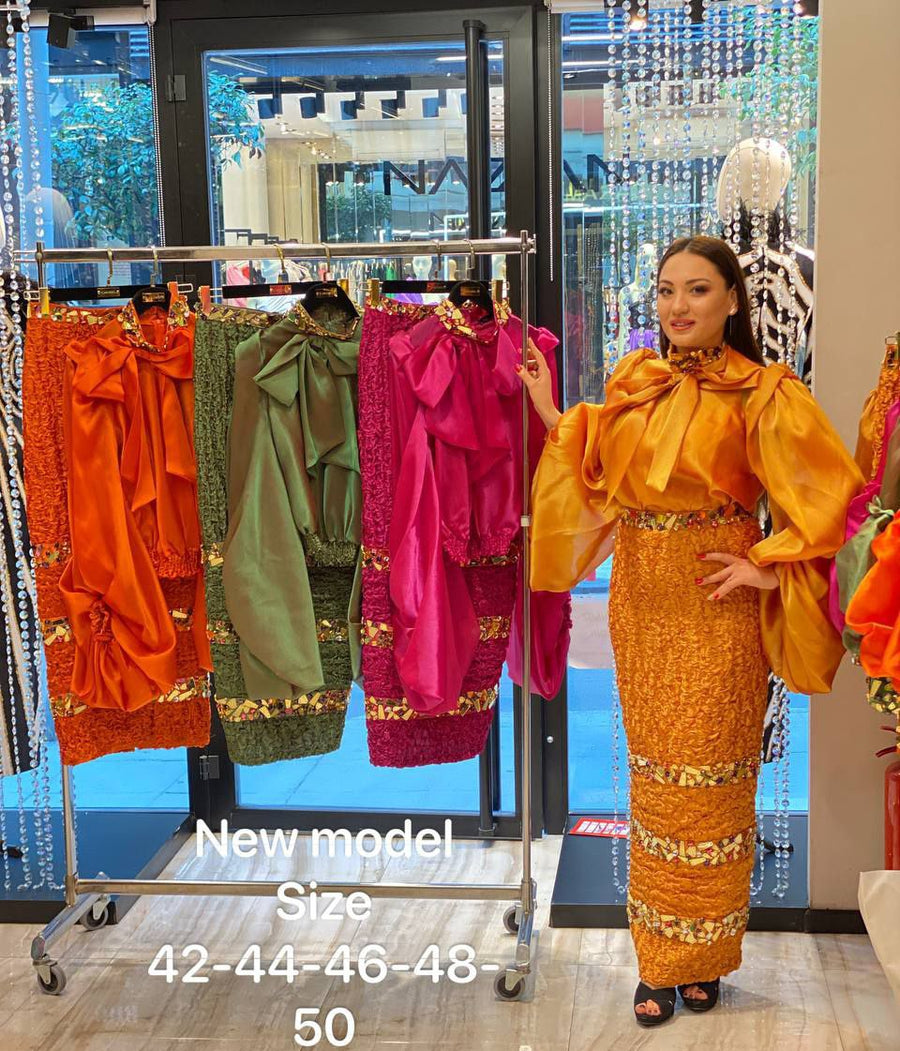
454	319
332	631
379	558
302	318
47	555
699	931
378	708
239	315
222	633
882	696
705	852
414	311
81	315
236	710
686	776
694	358
381	635
376	558
60	630
177	316
665	521
213	556
183	690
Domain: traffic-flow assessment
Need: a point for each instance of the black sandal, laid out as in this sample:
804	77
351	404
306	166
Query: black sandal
664	1000
712	996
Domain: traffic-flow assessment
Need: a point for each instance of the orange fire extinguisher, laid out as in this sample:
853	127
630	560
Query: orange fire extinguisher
892	804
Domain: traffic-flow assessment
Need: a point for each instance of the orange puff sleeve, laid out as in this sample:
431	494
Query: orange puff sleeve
810	479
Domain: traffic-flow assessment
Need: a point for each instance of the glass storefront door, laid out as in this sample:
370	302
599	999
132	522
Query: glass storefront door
338	141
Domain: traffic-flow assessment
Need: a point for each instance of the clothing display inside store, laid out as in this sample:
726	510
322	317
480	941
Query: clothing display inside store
150	636
441	468
864	598
207	496
691	673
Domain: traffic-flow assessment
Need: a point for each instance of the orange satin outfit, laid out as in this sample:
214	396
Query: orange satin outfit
679	456
128	415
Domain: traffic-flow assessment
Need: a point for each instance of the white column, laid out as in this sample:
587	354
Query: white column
857	304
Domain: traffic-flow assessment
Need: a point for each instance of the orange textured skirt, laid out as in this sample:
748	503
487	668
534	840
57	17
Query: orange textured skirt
692	679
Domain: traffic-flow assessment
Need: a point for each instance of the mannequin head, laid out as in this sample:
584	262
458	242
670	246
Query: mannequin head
421	265
702	298
755	174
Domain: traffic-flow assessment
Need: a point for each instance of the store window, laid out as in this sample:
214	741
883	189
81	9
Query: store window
655	100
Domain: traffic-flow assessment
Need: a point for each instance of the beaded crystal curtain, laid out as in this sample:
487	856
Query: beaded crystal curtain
709	128
25	829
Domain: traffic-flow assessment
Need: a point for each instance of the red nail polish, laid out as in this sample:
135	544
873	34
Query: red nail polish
716	595
701	556
698	580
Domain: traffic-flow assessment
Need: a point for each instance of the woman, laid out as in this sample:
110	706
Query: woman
671	470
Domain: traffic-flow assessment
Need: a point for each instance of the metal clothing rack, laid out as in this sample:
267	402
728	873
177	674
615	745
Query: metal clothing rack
87	899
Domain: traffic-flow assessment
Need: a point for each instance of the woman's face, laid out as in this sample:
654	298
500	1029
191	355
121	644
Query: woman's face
694	302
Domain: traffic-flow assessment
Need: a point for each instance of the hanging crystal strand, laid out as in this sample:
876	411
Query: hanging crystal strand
17	608
782	835
666	167
620	885
654	28
631	9
707	36
32	647
794	34
687	101
644	109
612	282
731	219
782	804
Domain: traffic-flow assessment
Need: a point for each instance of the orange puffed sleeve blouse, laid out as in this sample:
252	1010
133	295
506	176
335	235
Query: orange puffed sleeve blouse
687	433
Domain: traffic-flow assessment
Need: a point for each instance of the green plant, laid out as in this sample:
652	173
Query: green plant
355	213
104	158
792	91
104	163
231	124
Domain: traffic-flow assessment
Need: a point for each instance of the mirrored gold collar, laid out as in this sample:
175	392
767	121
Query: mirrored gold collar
692	359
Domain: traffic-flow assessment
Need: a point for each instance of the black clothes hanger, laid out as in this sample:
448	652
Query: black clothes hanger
154	294
477	292
319	292
441	288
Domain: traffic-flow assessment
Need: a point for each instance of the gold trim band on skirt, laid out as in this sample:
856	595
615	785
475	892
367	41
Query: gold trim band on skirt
694	931
704	852
688	776
183	690
240	710
388	708
665	521
381	636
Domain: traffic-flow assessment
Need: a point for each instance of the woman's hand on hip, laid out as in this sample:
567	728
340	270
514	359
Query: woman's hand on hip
539	385
738	572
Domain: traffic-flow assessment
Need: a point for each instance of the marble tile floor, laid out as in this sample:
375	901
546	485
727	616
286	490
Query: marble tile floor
822	993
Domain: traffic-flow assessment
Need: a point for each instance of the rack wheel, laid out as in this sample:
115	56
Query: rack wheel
511	919
504	991
93	923
56	983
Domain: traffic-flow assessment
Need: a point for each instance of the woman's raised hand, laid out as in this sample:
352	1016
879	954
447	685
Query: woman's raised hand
539	385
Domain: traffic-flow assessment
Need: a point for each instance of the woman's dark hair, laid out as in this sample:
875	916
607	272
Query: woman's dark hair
738	328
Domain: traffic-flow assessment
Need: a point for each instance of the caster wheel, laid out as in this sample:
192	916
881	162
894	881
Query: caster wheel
510	919
504	992
93	923
57	981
